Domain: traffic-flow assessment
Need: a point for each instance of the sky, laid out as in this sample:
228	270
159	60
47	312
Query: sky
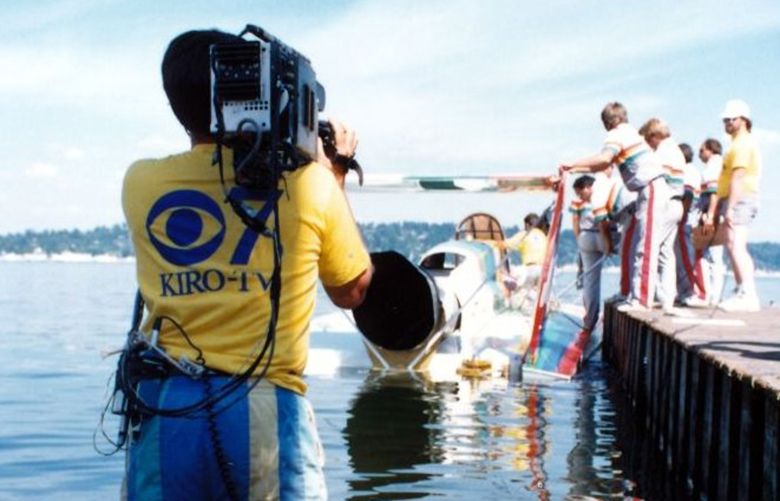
432	87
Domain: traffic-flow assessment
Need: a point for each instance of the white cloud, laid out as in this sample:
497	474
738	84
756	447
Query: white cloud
465	85
506	43
767	137
93	79
33	16
73	153
438	86
41	170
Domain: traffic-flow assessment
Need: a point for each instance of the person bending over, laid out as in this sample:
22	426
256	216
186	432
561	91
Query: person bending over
641	173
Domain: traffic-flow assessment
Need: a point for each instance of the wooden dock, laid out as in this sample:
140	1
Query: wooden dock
709	391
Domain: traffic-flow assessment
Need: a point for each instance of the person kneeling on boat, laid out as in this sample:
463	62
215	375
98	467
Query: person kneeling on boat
531	244
206	279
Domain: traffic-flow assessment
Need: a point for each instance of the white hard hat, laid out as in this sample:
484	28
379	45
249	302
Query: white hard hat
736	108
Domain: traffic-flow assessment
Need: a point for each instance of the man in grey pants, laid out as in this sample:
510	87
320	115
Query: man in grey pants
641	173
591	246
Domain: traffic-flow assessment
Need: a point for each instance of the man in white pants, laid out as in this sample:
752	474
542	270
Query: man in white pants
641	173
656	133
690	284
710	260
613	209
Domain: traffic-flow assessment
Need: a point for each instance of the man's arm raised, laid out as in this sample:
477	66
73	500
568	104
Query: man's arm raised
593	163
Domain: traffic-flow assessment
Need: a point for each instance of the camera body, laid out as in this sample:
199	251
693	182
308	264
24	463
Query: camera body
264	104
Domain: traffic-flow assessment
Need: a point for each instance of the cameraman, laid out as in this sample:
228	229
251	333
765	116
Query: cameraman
205	278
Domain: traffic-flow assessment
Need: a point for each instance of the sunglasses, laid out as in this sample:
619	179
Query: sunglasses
726	120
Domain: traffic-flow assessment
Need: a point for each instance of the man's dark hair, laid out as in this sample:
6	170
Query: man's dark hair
613	115
186	77
531	219
687	152
713	145
585	181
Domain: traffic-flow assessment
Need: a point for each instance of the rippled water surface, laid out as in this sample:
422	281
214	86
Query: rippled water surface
384	437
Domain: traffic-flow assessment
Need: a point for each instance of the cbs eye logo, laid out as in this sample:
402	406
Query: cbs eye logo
186	227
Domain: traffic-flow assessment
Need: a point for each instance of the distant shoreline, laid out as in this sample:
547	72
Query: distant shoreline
76	257
64	257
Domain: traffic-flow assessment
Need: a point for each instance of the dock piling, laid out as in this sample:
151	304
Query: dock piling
708	394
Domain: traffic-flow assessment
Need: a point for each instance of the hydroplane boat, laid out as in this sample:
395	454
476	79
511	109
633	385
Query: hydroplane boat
456	312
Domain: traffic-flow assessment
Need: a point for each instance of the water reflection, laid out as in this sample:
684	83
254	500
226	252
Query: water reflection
581	460
388	433
537	445
408	437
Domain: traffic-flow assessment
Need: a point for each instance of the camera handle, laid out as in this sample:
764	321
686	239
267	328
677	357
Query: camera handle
344	162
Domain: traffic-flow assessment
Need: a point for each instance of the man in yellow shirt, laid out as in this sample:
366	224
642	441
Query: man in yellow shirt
207	280
736	201
531	244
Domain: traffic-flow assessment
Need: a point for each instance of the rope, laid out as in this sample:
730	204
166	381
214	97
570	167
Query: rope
592	267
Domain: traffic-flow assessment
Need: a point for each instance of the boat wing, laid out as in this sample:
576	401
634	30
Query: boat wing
557	339
501	183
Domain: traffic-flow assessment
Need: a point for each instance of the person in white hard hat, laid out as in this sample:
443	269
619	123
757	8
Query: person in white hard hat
737	202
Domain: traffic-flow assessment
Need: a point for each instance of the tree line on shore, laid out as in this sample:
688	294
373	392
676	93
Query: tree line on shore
409	238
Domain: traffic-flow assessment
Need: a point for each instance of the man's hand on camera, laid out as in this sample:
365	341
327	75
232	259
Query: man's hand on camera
345	140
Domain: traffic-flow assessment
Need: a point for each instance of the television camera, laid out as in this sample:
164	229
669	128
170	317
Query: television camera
264	104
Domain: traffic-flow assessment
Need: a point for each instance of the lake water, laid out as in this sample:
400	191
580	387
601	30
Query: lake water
384	438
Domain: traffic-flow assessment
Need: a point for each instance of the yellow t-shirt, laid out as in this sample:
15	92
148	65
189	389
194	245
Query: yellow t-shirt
198	264
531	247
743	153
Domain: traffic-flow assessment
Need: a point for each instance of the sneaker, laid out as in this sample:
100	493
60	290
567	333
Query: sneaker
631	305
741	303
695	302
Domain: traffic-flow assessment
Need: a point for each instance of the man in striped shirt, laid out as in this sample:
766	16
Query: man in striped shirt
690	284
656	133
613	209
710	259
591	244
641	173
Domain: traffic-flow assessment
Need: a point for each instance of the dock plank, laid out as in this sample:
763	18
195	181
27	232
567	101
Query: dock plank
702	377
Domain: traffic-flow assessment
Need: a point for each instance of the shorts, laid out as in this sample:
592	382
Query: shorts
744	212
267	437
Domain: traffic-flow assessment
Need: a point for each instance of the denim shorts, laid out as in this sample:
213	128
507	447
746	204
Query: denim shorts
745	210
266	438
